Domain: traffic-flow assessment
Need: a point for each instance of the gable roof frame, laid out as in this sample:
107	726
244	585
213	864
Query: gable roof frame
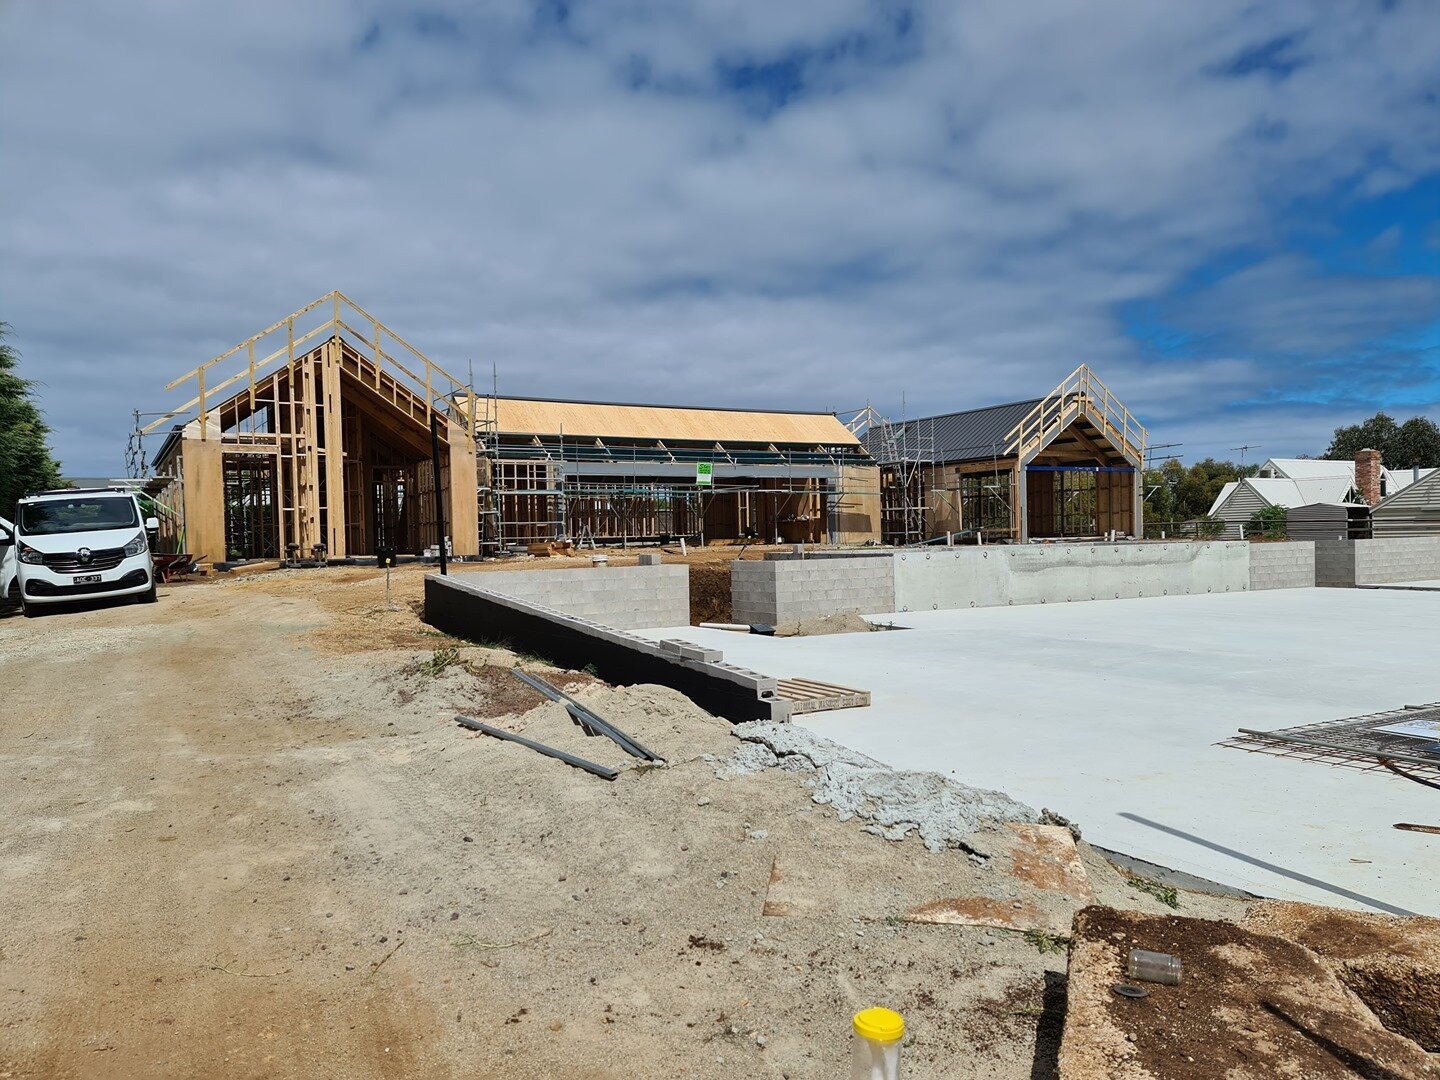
335	316
1081	395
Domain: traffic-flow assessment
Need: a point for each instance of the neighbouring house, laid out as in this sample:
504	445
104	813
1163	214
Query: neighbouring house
1329	494
1066	465
1412	510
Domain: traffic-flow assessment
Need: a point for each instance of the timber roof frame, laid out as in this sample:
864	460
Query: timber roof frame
368	341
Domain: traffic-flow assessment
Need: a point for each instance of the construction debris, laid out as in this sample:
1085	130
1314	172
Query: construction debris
1040	889
893	802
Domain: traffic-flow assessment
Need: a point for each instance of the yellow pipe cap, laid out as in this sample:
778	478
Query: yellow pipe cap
880	1025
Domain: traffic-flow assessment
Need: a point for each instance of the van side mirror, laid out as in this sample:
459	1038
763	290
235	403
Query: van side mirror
151	524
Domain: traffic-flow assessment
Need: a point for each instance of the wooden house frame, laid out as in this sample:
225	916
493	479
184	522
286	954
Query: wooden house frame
1065	466
316	434
616	472
314	437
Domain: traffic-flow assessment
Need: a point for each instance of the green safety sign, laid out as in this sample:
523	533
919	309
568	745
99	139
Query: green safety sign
704	472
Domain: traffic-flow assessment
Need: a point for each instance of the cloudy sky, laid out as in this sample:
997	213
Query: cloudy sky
1231	209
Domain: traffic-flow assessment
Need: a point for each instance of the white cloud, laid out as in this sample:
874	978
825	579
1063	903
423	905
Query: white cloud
958	211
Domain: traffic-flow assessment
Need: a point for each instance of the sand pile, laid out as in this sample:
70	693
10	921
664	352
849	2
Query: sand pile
663	720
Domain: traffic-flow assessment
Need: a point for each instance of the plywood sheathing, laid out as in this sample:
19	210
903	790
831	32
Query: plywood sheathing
204	499
516	416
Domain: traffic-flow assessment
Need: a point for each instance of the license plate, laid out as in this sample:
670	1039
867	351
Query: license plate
87	579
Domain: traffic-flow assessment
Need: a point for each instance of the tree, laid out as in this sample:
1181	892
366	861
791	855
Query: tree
1269	522
1415	443
26	463
1176	494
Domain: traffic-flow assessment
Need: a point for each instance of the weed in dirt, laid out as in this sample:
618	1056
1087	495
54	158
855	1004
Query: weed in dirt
1047	943
440	660
591	670
1166	894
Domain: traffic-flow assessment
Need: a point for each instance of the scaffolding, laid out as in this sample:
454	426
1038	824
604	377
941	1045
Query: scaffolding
541	490
905	452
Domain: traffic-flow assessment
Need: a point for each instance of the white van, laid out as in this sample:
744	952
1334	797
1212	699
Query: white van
80	545
7	561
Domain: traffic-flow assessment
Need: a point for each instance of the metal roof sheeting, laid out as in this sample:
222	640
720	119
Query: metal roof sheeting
972	435
1335	477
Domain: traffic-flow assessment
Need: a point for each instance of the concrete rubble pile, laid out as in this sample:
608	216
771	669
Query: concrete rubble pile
893	802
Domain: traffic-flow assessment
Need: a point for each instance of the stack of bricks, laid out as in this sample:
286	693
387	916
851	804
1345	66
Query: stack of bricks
1367	476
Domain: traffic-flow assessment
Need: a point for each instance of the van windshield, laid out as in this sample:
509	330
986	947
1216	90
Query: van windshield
84	513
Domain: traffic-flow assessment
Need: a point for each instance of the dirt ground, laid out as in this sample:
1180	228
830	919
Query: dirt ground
1251	1005
245	838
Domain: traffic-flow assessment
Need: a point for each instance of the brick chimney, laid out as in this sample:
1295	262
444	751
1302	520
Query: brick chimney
1367	476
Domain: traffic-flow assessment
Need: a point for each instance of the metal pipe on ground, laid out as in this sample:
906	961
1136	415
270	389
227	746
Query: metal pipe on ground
602	771
585	717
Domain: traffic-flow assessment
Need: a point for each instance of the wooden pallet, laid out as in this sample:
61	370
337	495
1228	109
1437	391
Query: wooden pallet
807	696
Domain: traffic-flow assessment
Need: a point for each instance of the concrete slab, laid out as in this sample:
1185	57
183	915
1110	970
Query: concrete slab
1421	586
1109	713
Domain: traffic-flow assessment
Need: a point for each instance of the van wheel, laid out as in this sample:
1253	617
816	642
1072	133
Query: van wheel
149	596
28	610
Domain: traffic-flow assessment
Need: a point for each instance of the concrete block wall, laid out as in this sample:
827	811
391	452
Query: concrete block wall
464	605
621	597
1398	558
946	578
1282	565
778	591
1335	564
1345	564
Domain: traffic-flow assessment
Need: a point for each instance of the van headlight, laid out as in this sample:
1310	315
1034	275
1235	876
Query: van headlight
136	546
31	555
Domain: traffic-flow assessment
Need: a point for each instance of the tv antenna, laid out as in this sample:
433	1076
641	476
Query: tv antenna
1241	450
